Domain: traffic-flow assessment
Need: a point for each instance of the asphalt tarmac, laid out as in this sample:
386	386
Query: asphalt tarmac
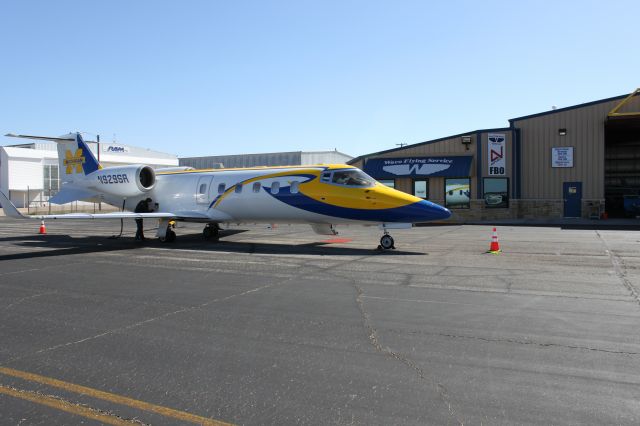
283	326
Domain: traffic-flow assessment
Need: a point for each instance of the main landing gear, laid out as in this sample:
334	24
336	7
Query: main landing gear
165	232
386	242
211	231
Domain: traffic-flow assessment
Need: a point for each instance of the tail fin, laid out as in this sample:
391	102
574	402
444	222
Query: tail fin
75	158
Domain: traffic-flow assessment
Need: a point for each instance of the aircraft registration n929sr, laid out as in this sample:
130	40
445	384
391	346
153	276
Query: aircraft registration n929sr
322	196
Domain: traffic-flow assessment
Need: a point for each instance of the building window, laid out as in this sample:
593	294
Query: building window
238	188
457	193
391	183
421	188
256	186
51	183
221	188
275	187
496	192
295	187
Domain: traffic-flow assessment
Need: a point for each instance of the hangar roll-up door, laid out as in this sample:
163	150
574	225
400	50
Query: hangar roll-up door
622	158
622	166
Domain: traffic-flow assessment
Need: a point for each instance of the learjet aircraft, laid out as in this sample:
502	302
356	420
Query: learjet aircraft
323	195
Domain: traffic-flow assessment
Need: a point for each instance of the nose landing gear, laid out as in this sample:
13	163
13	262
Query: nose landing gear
386	242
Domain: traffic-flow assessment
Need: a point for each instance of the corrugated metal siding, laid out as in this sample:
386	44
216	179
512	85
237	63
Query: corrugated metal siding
585	132
244	160
324	157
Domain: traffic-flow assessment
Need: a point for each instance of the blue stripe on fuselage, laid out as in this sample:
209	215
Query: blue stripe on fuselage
421	211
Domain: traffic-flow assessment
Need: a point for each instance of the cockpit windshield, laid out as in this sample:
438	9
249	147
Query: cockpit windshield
352	177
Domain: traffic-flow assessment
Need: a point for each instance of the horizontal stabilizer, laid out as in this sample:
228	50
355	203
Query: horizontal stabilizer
69	195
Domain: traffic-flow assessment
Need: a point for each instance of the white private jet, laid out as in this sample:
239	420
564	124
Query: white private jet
320	195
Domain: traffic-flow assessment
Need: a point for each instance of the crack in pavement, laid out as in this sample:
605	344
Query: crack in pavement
521	342
619	268
374	340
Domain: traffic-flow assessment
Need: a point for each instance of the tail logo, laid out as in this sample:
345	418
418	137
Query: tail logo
72	161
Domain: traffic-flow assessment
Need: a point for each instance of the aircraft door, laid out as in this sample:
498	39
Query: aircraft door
202	189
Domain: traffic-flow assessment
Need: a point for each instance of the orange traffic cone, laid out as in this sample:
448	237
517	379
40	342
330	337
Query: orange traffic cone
43	229
495	246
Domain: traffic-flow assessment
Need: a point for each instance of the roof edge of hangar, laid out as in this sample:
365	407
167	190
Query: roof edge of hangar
569	108
413	145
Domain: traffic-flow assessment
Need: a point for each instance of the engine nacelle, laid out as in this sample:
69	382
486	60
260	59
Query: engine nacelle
127	181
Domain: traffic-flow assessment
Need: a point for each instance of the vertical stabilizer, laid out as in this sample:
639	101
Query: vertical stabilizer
75	159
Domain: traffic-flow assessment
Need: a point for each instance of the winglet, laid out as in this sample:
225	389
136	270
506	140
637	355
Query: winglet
9	209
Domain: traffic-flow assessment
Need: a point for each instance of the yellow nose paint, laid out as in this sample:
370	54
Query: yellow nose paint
373	198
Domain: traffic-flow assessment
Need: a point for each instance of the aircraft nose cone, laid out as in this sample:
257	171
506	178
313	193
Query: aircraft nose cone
434	211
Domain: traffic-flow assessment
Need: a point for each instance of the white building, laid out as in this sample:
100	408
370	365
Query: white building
292	158
29	172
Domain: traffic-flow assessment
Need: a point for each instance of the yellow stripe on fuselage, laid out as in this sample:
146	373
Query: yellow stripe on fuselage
376	197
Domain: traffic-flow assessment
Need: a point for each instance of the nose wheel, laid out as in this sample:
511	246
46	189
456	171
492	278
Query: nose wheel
386	242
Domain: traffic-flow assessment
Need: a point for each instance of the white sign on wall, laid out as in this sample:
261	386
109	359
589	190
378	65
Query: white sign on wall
562	156
116	149
497	154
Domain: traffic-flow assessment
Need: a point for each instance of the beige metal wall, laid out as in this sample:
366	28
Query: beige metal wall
585	133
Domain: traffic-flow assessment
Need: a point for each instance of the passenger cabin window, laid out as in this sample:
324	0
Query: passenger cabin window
202	190
275	187
238	188
221	188
351	178
295	187
256	186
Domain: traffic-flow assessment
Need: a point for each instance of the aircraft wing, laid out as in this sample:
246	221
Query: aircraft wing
11	211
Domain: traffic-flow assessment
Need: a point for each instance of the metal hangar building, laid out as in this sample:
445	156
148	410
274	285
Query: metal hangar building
581	161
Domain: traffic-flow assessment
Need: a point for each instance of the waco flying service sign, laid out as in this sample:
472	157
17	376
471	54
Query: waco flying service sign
389	168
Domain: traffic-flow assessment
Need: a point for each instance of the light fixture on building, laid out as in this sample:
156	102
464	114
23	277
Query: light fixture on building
562	132
466	141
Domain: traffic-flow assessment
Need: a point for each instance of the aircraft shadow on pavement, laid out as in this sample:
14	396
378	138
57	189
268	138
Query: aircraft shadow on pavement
65	245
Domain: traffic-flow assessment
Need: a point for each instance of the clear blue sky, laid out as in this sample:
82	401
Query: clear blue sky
213	77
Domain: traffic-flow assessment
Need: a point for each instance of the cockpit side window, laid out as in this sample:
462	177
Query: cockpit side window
352	177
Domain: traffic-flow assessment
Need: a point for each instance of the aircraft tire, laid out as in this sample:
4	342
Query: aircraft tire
210	232
386	242
170	237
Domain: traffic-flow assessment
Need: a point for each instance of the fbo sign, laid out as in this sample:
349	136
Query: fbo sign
497	154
